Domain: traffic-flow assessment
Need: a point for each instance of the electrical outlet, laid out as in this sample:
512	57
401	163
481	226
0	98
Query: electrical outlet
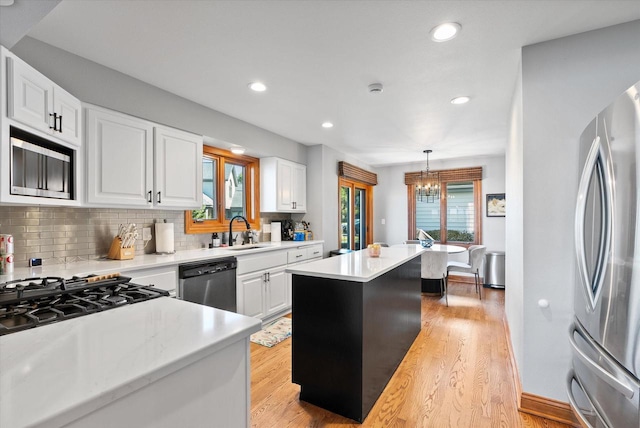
146	234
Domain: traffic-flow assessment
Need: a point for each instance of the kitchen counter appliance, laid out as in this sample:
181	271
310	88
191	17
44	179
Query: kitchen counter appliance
34	302
604	383
40	167
210	283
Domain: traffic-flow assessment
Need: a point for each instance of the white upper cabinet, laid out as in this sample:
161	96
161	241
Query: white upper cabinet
39	103
119	159
283	186
178	167
134	162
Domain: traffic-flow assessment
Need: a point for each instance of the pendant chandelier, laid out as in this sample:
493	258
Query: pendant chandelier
428	188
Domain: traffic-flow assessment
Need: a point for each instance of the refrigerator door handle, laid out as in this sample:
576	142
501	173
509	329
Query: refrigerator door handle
611	380
574	404
598	161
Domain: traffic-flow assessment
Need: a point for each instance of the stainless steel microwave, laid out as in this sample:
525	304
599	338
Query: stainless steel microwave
40	167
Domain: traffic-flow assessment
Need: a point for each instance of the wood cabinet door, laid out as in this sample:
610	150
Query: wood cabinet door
276	296
252	288
178	169
119	159
69	110
30	95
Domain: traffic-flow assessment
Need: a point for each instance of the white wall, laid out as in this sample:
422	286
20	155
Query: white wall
391	199
565	83
96	84
322	192
514	275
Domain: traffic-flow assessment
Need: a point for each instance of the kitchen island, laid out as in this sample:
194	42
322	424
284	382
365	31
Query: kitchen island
159	363
354	319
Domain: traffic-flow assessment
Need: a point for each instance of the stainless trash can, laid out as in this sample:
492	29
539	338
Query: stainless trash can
494	269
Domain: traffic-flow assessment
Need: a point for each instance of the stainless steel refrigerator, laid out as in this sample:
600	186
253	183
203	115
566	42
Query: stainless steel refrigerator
603	384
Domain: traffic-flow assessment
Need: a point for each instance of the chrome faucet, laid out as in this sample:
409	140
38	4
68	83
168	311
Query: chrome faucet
231	228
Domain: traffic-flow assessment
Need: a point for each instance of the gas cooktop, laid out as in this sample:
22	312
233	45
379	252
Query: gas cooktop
33	302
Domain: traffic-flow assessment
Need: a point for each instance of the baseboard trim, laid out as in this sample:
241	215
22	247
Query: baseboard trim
512	361
536	405
548	408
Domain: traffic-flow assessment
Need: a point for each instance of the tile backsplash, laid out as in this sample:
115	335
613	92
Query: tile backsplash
66	235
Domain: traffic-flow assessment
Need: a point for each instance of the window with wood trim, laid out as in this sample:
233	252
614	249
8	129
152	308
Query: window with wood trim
454	218
355	193
230	187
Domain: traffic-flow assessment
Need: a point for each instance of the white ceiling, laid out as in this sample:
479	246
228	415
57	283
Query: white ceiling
318	57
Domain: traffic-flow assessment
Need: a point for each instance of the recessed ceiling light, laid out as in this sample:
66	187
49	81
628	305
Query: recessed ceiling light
327	125
258	86
376	88
445	32
237	150
6	2
460	100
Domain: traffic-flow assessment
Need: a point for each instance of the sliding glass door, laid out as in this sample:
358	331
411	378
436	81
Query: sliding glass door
356	200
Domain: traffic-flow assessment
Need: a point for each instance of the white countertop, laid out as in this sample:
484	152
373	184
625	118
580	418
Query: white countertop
54	374
357	265
104	266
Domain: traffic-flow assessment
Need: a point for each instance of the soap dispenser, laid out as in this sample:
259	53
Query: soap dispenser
215	240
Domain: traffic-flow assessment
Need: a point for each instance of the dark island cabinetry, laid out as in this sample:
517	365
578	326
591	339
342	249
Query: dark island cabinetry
350	336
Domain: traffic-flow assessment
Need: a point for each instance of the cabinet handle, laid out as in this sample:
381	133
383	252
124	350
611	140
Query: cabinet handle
60	127
55	120
149	199
298	256
294	205
159	197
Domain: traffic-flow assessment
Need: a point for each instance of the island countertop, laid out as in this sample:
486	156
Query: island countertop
358	265
52	375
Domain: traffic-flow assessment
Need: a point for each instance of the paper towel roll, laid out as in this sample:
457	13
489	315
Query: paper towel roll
164	238
276	234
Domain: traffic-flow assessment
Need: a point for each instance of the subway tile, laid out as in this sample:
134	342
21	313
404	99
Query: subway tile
65	253
38	242
55	247
77	246
24	222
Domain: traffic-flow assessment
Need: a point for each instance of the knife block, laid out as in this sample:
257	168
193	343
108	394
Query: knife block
116	252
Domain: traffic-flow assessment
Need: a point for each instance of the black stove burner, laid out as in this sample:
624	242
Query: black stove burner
33	302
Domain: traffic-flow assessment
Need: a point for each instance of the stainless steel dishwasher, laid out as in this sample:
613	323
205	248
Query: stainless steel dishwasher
211	283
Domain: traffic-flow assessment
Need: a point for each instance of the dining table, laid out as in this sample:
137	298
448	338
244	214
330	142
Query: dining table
432	286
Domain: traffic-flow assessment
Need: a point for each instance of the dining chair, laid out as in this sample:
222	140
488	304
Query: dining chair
434	266
476	255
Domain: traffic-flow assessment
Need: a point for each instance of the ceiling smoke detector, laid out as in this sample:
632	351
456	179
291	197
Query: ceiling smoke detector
375	88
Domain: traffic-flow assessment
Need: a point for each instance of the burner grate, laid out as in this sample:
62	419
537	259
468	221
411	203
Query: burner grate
33	302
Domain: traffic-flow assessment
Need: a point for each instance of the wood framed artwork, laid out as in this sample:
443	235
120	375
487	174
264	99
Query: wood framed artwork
496	205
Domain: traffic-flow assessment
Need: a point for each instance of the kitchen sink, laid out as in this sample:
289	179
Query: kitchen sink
245	247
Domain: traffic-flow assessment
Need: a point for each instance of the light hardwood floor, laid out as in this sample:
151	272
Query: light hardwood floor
456	374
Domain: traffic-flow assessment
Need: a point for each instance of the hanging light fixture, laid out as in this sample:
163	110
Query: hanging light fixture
428	188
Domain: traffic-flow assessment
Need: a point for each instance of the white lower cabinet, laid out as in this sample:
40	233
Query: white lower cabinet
262	284
164	278
276	296
263	293
301	256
